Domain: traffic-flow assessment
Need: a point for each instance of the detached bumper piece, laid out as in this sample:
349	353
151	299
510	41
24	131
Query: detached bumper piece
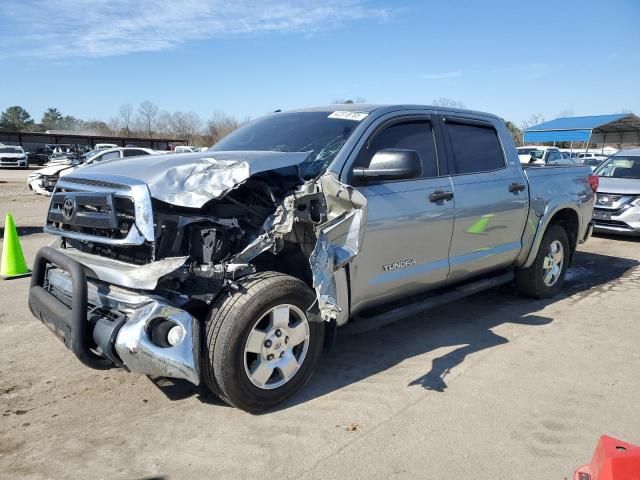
106	326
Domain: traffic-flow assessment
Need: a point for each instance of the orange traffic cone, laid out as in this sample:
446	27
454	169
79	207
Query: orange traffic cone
12	264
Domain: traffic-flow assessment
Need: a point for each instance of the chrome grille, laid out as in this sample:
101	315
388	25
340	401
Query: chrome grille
97	214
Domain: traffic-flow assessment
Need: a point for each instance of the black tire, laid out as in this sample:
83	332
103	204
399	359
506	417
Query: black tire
229	323
530	281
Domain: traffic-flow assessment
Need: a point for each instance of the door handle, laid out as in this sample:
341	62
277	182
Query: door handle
517	187
439	195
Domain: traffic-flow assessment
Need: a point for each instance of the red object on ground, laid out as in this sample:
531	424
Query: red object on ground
612	460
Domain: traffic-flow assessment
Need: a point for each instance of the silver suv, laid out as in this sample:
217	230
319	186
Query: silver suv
617	208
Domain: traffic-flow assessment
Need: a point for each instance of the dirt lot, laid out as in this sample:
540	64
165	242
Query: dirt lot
495	387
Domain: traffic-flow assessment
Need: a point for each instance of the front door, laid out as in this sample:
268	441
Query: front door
408	233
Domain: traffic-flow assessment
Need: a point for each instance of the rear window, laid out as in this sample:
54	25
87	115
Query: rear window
525	151
475	148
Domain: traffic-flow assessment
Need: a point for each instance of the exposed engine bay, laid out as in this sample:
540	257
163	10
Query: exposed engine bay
271	220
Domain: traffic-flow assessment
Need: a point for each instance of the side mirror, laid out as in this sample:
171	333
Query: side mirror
390	164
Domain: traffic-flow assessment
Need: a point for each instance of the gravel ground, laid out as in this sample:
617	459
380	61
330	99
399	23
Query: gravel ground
495	387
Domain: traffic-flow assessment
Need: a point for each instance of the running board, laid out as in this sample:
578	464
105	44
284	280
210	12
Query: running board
365	323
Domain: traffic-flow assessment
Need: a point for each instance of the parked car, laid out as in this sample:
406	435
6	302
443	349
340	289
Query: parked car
542	156
13	156
583	157
292	228
41	155
55	151
43	181
617	208
185	149
593	163
101	146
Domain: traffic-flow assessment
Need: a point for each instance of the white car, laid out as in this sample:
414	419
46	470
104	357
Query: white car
13	156
43	181
533	155
185	149
583	157
101	146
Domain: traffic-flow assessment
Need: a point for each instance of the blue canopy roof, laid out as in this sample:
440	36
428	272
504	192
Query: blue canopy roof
619	127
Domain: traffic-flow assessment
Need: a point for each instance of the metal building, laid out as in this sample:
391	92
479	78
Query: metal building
31	141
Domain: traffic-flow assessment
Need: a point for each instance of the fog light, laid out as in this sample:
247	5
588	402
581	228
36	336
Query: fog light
175	335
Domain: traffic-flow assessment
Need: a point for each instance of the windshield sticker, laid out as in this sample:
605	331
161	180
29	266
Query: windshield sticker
355	116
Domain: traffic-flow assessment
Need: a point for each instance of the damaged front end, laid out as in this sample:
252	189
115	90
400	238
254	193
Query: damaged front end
158	245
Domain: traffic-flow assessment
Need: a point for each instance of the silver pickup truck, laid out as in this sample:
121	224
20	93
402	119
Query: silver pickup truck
235	266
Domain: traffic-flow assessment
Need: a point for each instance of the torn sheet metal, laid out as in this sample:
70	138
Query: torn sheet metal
275	227
192	179
338	241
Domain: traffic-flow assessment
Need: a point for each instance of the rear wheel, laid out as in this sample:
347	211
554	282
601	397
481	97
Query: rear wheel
260	347
545	276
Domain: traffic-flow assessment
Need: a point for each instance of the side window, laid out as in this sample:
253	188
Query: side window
108	156
554	157
134	153
475	148
416	135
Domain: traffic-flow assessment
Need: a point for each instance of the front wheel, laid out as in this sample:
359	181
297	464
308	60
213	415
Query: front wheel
545	276
260	347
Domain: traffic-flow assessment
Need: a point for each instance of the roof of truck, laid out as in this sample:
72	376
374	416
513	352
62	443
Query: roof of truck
371	107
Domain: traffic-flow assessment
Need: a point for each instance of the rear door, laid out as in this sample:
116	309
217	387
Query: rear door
406	244
490	199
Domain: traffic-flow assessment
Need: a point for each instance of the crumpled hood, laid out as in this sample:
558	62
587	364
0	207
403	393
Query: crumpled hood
51	170
192	179
622	186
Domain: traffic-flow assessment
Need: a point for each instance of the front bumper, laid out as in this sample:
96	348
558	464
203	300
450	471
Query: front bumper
106	326
41	185
16	163
624	221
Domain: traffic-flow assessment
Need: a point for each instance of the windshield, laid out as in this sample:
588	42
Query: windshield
90	154
620	167
537	154
525	151
322	133
6	149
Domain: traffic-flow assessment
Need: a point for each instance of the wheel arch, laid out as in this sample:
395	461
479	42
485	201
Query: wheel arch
565	215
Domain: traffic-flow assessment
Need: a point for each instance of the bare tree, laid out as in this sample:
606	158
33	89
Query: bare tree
185	125
219	126
447	102
148	111
567	112
126	115
114	125
163	122
534	119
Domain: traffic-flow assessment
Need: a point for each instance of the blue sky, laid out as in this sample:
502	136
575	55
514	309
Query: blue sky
248	58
